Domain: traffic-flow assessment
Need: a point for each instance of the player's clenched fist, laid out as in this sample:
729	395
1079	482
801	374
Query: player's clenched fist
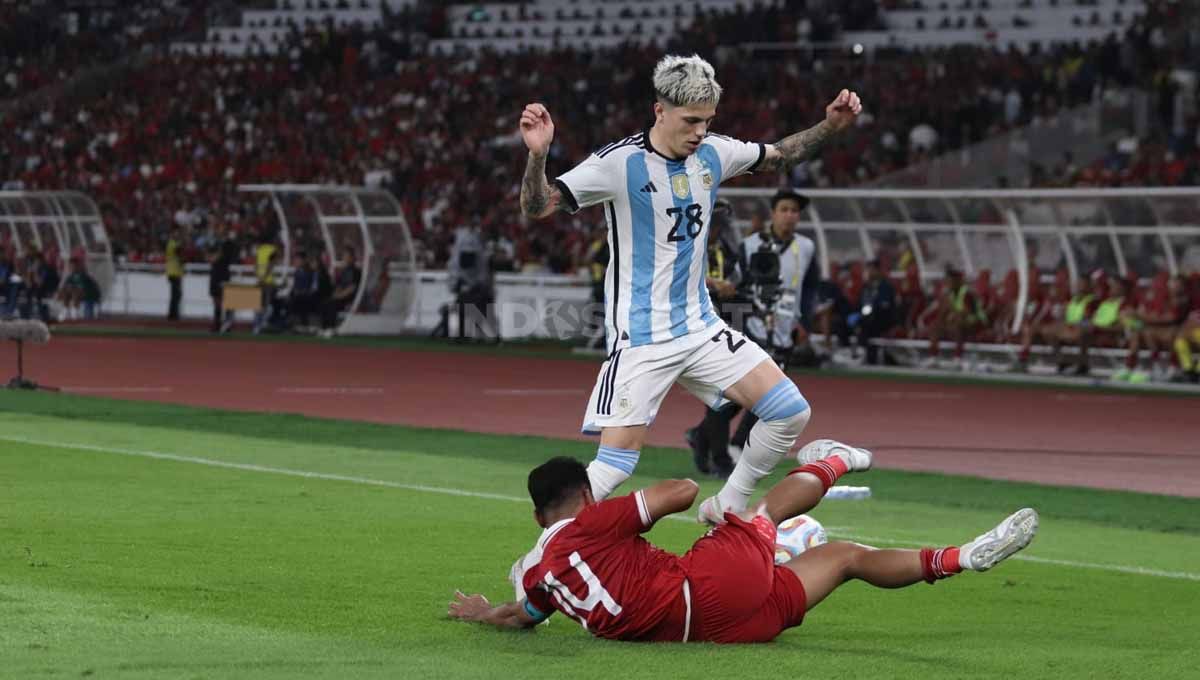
537	129
843	110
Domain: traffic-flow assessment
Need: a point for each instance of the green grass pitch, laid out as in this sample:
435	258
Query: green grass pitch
151	541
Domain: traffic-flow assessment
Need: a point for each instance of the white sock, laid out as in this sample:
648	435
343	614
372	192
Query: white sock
768	443
610	469
758	459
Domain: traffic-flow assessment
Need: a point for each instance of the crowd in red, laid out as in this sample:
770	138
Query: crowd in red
170	141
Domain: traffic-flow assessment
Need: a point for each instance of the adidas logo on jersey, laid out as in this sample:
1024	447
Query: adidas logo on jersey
649	188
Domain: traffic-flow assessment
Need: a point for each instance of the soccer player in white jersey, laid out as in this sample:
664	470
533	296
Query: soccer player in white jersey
658	188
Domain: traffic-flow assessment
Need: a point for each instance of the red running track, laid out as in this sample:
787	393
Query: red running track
1119	441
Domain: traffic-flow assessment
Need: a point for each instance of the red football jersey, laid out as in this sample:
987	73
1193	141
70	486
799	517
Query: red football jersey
598	570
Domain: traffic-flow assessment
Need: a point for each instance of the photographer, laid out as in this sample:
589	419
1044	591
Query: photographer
709	440
782	280
470	279
781	283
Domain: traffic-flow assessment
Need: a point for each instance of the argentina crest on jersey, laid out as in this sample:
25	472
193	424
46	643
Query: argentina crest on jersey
679	185
706	176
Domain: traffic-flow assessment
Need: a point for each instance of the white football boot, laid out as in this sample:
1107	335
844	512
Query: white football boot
1009	537
711	512
857	460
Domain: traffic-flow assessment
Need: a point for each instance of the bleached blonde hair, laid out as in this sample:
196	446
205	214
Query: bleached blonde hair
686	81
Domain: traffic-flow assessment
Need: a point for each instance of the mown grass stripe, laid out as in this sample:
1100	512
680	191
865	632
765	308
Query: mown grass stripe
352	479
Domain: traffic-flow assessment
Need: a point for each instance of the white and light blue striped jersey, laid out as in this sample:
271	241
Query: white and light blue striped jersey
658	211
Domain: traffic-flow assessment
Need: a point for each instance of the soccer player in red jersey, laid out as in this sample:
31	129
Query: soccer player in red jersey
596	568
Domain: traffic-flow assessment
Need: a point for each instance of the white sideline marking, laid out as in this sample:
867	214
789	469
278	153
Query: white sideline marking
250	467
307	474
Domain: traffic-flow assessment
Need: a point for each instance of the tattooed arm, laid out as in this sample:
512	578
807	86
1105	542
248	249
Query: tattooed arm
539	198
797	148
802	146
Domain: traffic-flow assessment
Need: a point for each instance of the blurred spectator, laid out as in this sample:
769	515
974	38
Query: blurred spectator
1187	340
222	254
80	294
266	259
1076	317
877	311
960	314
15	291
44	286
1157	320
324	282
1043	316
912	300
831	309
174	269
303	298
345	288
6	273
1108	324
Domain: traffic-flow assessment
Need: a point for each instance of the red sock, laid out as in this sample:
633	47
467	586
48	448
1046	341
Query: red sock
939	564
827	470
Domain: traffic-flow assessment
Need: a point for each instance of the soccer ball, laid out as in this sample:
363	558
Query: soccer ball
796	535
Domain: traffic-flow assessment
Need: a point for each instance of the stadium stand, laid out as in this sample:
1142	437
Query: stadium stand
235	139
47	41
340	92
1025	24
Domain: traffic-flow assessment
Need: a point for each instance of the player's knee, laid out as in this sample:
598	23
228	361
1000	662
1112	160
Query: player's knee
783	415
784	410
848	557
796	424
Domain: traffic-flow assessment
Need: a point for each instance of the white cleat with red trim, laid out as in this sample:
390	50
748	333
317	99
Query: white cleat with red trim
857	460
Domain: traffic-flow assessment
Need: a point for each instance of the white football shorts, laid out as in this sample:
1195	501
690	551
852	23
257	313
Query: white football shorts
634	381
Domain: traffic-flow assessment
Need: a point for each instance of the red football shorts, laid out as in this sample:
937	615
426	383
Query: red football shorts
738	594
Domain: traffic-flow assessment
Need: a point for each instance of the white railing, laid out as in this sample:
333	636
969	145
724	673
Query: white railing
527	305
1029	232
66	223
365	222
